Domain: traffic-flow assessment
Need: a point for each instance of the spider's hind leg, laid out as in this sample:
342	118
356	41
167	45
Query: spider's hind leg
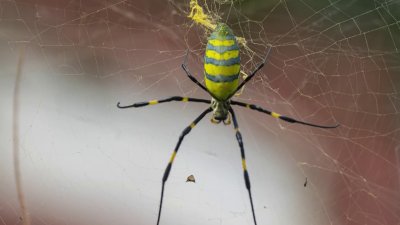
252	74
191	77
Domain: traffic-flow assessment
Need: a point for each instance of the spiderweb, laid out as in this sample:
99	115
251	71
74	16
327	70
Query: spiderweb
82	161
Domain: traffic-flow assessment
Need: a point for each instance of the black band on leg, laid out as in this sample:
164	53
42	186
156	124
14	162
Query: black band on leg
245	173
192	78
248	78
278	116
170	99
169	166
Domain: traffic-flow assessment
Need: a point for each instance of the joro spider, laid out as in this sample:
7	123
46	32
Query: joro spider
222	67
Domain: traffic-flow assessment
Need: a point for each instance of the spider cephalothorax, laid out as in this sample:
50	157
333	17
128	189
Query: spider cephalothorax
220	111
222	67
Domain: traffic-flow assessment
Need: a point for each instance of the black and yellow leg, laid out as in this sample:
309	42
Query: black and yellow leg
192	78
246	174
171	160
248	78
278	116
170	99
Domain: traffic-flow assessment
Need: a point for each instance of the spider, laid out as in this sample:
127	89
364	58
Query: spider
222	67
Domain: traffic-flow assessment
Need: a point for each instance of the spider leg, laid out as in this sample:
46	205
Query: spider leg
246	174
174	98
248	78
191	77
278	116
169	166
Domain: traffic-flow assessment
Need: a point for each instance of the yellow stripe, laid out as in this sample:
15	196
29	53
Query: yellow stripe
185	99
172	157
221	70
192	125
224	56
221	90
153	102
276	115
216	42
248	106
244	164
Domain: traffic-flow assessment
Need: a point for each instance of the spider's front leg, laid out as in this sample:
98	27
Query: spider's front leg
170	99
245	173
279	116
171	161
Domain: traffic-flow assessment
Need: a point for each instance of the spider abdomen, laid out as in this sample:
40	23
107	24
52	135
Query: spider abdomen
222	62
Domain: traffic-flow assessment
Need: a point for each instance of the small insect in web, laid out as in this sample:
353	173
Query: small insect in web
221	75
190	179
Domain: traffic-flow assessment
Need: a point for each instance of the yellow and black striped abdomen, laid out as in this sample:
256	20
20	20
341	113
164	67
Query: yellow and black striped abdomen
222	63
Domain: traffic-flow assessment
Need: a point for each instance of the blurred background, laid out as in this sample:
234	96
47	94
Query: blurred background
69	156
